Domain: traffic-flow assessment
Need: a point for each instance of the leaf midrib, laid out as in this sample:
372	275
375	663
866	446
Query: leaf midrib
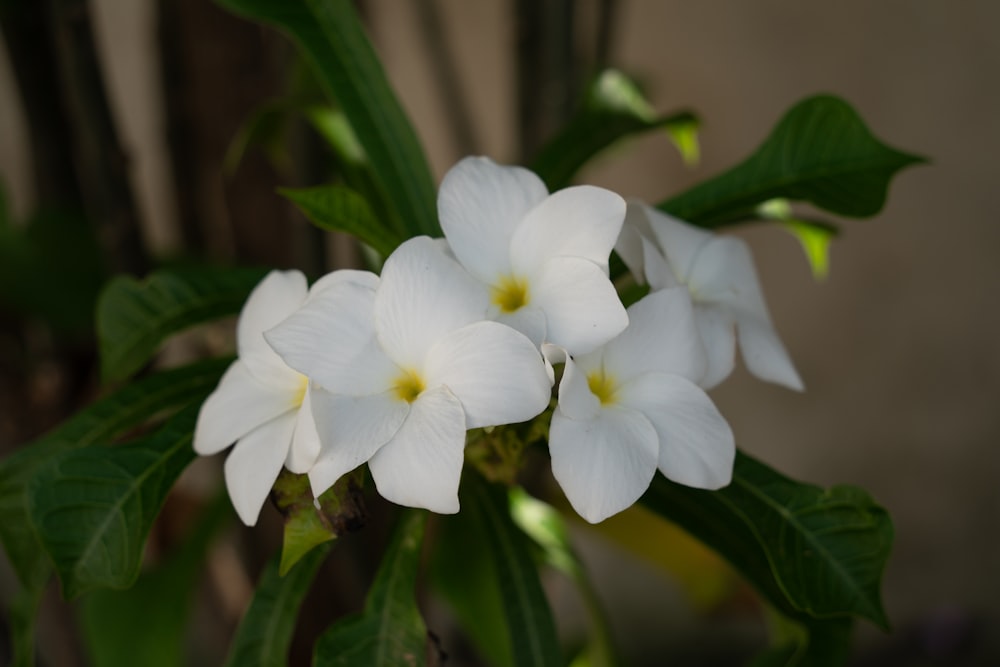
817	545
115	508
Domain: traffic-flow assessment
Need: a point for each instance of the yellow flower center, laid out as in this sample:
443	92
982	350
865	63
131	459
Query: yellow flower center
300	393
510	293
408	385
602	386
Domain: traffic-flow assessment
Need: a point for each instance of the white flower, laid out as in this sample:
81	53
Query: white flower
633	407
401	367
719	272
544	258
260	404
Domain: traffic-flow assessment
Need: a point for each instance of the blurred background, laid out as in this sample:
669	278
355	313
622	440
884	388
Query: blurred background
898	347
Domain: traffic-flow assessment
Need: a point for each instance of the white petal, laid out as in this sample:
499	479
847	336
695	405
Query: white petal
361	278
276	297
696	444
351	430
423	296
326	335
529	320
582	221
582	308
305	440
717	329
480	204
680	242
254	464
724	274
661	336
603	464
370	372
238	405
496	372
554	354
576	401
629	243
764	354
422	464
659	273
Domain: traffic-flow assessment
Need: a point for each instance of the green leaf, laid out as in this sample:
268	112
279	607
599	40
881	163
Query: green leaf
266	128
613	109
341	510
529	618
807	642
93	507
101	422
463	575
22	612
351	165
134	317
815	239
390	631
543	524
52	269
146	625
339	208
811	552
265	633
333	126
330	34
815	236
683	132
821	152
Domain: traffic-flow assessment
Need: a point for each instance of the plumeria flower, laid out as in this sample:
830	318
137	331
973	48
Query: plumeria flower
542	257
632	407
719	273
260	404
402	367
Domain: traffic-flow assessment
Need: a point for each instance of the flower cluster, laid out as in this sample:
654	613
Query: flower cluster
464	332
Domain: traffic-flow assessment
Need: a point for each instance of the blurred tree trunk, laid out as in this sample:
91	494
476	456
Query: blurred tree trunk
217	70
548	71
32	56
101	161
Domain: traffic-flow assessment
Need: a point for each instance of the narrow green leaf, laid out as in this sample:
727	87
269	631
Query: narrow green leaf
353	167
93	507
134	317
543	524
146	625
101	422
613	109
339	208
265	633
821	152
390	632
529	618
810	551
333	126
462	573
330	34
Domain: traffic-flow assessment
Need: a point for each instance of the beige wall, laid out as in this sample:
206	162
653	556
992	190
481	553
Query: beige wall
898	348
